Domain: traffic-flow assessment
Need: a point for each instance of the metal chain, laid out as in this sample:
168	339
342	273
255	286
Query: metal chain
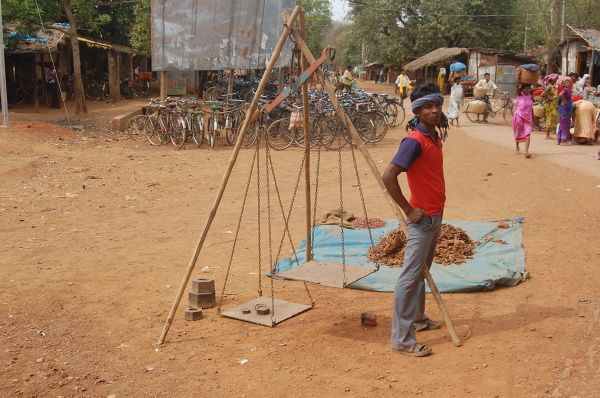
257	155
287	218
268	182
362	200
314	220
237	231
342	215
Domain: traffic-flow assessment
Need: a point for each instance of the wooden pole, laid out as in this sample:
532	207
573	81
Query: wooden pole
164	80
230	82
401	218
306	148
231	163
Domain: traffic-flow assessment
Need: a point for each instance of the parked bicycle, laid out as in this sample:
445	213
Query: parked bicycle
504	105
226	117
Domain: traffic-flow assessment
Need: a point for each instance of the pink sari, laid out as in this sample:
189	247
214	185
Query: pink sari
523	118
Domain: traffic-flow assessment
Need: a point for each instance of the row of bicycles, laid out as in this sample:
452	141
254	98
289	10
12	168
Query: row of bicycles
178	121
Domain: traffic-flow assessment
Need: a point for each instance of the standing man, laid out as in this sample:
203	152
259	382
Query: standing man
420	156
348	78
490	87
52	83
402	81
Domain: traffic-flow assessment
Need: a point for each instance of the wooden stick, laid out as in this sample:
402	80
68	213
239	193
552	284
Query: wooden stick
375	171
232	159
306	126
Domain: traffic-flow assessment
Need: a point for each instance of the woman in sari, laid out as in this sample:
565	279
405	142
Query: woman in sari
523	118
565	109
550	95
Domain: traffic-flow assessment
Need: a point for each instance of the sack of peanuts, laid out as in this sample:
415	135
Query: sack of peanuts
297	119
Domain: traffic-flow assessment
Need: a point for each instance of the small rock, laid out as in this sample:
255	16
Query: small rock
39	360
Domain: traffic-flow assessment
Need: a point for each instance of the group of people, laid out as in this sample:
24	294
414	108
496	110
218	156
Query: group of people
457	95
563	109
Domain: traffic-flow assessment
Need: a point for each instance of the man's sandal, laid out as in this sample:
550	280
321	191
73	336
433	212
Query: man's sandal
416	350
431	325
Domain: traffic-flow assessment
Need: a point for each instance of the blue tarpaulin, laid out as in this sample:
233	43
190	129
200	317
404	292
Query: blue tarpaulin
494	263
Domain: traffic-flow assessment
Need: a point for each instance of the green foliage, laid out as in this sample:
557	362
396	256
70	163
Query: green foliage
410	28
140	32
116	22
318	22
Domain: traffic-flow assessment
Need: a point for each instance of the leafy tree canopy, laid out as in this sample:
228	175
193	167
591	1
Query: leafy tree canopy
318	22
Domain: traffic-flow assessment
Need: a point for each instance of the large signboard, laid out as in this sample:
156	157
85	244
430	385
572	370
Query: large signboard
190	35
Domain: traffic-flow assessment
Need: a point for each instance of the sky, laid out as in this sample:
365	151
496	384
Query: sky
339	8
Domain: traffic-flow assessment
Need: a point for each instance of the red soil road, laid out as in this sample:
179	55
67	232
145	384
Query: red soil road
97	232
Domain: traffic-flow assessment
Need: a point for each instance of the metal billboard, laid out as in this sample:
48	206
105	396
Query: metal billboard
189	35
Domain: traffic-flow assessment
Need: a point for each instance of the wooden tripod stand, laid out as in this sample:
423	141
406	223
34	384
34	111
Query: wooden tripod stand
290	29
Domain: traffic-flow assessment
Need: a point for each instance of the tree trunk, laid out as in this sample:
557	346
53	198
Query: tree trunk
553	28
81	105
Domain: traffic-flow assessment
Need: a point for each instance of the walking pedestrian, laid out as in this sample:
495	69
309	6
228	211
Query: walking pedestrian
348	78
457	95
563	136
403	83
523	118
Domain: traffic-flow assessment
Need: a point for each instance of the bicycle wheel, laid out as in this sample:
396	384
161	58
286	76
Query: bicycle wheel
153	130
473	117
251	134
230	133
279	134
211	133
401	116
18	96
391	113
365	127
177	131
93	90
507	114
136	128
314	137
249	96
334	134
197	126
380	125
127	93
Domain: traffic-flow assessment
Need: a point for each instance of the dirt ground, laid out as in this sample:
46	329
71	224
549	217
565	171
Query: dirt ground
97	232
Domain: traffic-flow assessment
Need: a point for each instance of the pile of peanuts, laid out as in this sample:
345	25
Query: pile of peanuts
454	247
368	223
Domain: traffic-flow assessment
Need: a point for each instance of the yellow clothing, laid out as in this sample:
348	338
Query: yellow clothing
348	77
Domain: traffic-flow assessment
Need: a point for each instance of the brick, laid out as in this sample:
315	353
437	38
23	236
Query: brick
203	285
202	300
369	319
193	314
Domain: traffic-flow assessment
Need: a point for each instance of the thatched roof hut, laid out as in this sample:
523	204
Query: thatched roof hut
435	57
